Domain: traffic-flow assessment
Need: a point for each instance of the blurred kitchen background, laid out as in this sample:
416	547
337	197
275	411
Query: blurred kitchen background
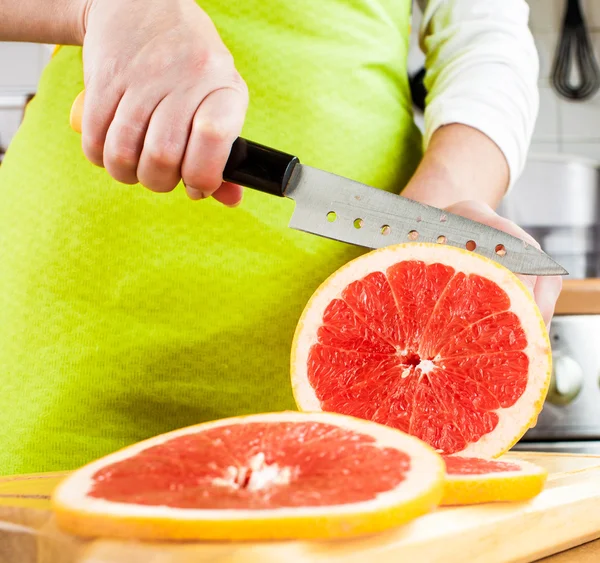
563	126
21	65
556	200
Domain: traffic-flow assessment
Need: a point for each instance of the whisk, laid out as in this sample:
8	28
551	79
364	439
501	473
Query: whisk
574	48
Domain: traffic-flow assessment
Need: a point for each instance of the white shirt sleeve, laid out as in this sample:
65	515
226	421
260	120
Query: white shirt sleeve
482	70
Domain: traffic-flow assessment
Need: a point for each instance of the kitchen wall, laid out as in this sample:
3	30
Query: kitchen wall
563	126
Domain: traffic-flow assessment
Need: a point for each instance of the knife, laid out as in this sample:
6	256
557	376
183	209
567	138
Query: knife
344	210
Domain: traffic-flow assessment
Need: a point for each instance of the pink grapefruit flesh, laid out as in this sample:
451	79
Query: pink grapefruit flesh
175	475
457	465
433	340
277	475
475	480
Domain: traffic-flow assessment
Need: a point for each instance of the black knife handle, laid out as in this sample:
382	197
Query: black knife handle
258	167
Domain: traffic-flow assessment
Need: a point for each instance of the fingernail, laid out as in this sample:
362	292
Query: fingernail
195	194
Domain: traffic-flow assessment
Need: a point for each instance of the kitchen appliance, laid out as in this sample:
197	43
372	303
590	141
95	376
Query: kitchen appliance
341	209
557	200
570	419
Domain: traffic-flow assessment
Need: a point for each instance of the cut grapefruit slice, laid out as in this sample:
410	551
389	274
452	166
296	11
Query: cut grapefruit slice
267	476
474	480
436	341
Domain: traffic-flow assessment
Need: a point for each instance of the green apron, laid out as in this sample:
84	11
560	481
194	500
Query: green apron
125	313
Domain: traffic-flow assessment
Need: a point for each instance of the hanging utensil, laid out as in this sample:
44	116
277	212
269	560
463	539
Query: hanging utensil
575	53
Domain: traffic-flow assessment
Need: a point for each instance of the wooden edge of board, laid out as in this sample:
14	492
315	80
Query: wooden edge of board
579	297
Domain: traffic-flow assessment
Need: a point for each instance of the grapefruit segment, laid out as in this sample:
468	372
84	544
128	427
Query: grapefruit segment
476	480
502	376
275	475
445	416
433	340
372	302
501	332
344	330
417	288
461	307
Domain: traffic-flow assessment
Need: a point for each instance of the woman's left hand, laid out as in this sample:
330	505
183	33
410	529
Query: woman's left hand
464	172
545	289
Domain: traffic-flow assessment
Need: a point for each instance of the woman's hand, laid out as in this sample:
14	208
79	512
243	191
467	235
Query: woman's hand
164	101
545	289
464	172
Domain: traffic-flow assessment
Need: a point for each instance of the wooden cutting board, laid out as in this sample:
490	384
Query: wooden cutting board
565	515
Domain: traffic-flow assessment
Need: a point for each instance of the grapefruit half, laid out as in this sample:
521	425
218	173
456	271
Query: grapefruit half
267	476
476	480
433	340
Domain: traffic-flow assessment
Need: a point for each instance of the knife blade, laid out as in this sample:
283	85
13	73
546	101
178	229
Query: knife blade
338	208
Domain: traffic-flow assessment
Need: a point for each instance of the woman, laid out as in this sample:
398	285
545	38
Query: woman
124	313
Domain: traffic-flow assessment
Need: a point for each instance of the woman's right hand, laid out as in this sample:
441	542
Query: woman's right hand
164	101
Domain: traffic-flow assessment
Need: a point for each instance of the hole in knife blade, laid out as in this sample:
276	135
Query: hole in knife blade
500	250
442	239
471	245
358	223
386	230
331	216
413	235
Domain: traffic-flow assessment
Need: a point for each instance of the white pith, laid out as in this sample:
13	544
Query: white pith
525	469
513	421
426	366
259	475
426	470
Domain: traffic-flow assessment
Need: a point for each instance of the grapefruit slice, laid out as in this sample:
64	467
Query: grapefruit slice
436	341
472	480
267	476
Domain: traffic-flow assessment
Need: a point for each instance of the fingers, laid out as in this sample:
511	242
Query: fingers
159	167
126	133
229	194
217	123
158	142
98	113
